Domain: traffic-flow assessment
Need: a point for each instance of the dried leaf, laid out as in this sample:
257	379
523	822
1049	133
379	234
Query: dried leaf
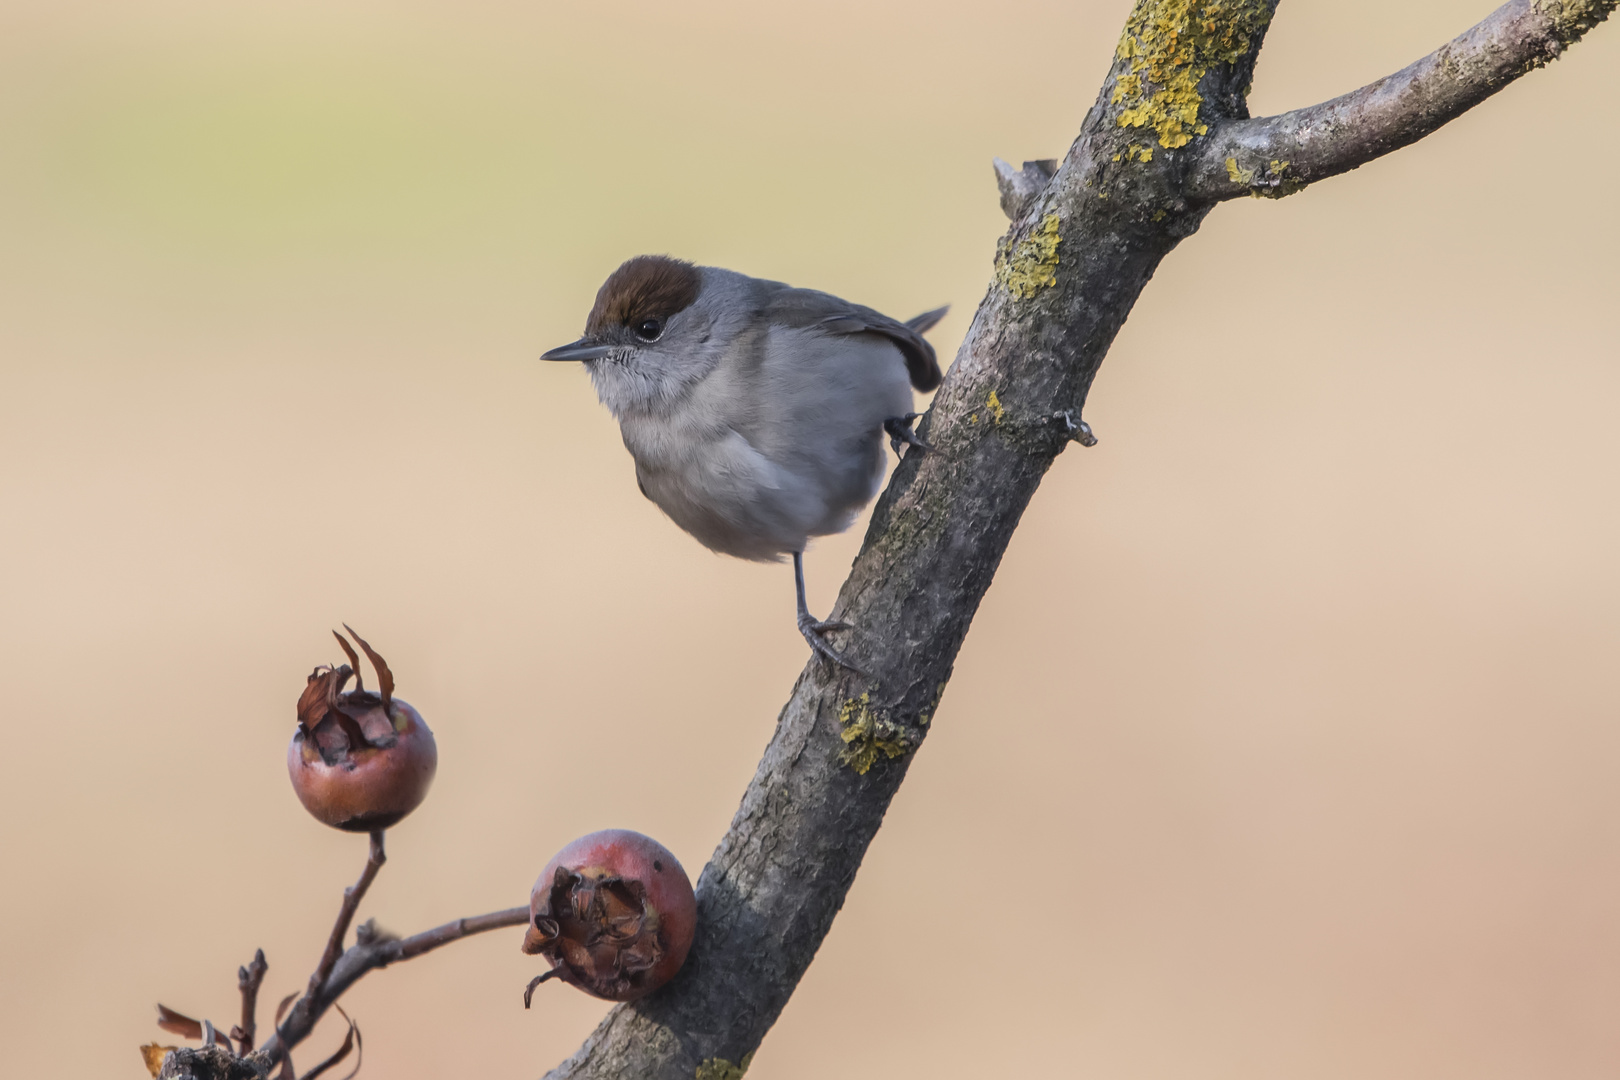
385	678
359	1052
178	1023
354	661
153	1055
350	1041
286	1003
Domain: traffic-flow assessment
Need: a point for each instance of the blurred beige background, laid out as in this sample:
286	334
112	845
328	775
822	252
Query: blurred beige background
1296	696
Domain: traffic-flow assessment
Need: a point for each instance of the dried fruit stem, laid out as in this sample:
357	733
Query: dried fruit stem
351	901
248	980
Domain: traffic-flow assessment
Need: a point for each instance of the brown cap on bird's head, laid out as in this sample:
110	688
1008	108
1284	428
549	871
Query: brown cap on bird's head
645	287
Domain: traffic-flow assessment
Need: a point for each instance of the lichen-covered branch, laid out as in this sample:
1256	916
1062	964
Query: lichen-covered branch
1085	241
1278	155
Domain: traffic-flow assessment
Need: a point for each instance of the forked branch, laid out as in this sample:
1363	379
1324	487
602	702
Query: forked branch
374	949
1278	155
337	970
1150	162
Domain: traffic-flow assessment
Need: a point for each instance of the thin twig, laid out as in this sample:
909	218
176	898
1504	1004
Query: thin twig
428	940
377	953
248	980
351	901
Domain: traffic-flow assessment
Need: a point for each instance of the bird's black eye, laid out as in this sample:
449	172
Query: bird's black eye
649	329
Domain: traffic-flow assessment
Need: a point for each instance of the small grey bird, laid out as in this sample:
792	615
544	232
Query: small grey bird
755	411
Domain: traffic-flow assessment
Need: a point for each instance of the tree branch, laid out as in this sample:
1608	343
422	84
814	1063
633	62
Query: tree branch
1066	276
1276	156
374	949
1084	243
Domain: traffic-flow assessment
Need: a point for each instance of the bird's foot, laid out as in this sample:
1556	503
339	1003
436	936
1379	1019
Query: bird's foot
812	631
899	431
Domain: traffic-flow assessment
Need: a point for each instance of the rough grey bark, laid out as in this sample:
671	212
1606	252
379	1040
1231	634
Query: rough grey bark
1080	251
213	1063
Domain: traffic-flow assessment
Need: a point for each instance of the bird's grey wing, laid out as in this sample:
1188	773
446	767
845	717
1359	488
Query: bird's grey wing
808	309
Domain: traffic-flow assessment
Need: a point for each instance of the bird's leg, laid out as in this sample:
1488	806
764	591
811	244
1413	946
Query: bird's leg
810	628
899	430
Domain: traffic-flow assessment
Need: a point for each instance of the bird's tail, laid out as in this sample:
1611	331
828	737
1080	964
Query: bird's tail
926	321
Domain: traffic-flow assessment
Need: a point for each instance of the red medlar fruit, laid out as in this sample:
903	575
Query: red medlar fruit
614	913
359	761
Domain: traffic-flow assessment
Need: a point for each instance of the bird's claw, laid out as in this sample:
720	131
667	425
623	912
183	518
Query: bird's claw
899	431
812	631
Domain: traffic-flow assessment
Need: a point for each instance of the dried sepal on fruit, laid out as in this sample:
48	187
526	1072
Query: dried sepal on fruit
359	760
614	913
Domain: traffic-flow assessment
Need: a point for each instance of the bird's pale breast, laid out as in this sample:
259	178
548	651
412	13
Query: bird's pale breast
782	441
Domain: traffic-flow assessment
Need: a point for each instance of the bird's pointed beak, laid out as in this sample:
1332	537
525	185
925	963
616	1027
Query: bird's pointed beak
583	349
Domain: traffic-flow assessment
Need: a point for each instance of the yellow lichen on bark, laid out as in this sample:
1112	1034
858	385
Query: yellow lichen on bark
1031	264
1573	18
867	733
721	1069
1170	45
1271	181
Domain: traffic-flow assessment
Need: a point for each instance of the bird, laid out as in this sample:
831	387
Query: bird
755	411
